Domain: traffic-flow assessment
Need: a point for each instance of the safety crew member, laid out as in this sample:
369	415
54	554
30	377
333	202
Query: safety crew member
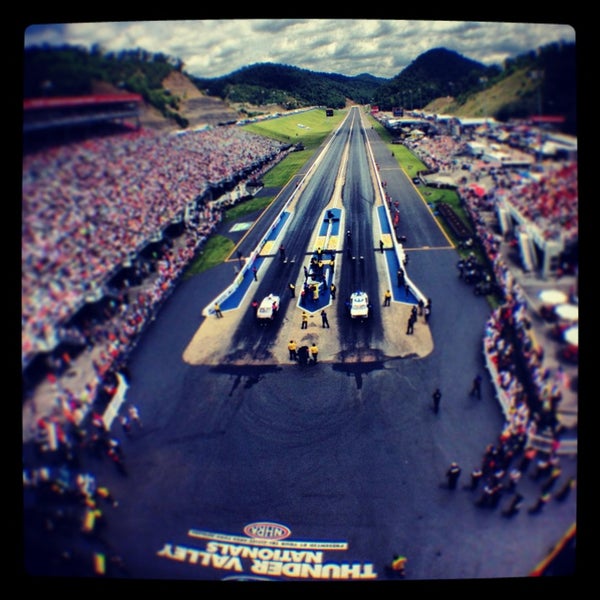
314	352
292	346
399	564
387	298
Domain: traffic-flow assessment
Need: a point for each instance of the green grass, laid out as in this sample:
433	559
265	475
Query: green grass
315	128
246	207
214	252
310	127
410	164
279	175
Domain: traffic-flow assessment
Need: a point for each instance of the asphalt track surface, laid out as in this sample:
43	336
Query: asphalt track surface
343	462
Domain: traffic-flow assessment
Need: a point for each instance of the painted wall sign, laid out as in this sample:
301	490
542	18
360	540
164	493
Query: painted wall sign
266	551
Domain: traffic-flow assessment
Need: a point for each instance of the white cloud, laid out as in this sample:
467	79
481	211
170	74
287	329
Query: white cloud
210	48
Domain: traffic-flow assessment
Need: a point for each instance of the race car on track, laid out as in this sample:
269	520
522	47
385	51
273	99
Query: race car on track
267	309
358	305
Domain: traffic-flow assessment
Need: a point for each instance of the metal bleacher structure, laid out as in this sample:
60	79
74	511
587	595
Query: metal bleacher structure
537	253
45	114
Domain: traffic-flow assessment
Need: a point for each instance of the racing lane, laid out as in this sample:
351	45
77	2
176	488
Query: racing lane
253	339
359	268
355	260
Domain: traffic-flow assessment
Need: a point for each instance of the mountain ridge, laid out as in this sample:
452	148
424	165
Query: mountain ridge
176	99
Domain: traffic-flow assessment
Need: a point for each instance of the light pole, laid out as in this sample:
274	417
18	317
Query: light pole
538	76
483	81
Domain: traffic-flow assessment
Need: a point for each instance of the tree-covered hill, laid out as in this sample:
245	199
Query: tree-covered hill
73	71
540	81
290	87
435	73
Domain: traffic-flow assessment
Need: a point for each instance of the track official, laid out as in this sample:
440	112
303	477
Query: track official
292	347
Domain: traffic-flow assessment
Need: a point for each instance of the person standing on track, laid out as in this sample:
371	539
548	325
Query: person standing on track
134	415
426	313
437	396
476	475
400	276
410	326
476	389
387	298
513	506
398	565
452	474
539	504
292	346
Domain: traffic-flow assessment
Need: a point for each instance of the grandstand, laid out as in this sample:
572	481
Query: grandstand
51	113
107	204
534	197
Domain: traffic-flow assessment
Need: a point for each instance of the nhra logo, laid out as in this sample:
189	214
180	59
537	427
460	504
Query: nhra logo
267	531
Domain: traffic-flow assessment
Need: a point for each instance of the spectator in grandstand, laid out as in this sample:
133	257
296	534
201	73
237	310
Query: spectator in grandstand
88	205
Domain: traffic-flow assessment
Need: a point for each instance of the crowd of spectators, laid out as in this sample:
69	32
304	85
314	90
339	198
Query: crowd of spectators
439	153
549	200
89	206
529	392
546	197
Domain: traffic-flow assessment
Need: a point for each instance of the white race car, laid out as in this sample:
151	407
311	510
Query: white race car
359	305
268	308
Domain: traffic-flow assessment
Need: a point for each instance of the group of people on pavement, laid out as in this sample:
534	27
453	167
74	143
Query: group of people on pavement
66	505
502	472
303	354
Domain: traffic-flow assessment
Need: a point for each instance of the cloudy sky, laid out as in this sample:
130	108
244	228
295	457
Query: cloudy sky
210	48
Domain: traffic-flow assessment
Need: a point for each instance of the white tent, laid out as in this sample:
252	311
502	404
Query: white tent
571	336
567	312
553	297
